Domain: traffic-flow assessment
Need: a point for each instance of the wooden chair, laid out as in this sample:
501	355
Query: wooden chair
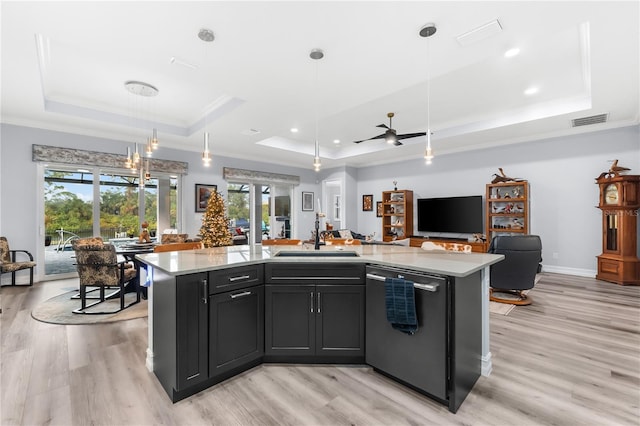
177	246
8	261
173	238
281	242
98	266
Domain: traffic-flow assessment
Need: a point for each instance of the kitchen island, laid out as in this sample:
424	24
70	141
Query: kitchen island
214	313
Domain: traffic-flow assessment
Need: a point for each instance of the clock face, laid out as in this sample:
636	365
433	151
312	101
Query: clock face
611	194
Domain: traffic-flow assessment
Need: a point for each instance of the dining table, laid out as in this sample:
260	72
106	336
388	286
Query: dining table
129	251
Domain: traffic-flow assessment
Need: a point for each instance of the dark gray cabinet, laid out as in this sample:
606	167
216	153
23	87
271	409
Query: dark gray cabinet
236	328
340	320
180	331
289	320
212	325
315	311
192	329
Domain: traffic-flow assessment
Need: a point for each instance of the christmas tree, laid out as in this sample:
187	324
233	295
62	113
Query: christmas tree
215	224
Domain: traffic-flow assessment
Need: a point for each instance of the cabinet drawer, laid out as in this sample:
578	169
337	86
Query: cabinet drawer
235	278
297	273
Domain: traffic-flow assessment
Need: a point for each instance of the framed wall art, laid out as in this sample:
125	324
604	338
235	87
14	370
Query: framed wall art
378	208
367	203
203	192
307	201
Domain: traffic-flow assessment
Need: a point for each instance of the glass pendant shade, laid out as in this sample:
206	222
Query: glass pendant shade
128	163
428	153
154	139
136	156
206	155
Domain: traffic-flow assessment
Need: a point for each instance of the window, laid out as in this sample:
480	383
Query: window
71	210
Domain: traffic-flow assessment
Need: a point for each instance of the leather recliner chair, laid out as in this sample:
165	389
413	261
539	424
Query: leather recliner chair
517	272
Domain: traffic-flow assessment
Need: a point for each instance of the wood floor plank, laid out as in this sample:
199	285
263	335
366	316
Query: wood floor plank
572	357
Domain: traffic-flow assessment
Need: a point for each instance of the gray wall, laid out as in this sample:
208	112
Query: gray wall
19	184
561	173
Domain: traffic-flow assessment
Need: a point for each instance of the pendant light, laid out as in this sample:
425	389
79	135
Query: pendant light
154	139
147	173
136	156
149	148
207	36
206	155
146	91
128	162
427	31
316	54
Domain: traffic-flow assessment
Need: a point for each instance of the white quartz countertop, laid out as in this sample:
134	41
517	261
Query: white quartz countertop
455	264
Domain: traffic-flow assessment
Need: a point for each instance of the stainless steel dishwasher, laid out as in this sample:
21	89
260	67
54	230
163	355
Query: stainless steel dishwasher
419	360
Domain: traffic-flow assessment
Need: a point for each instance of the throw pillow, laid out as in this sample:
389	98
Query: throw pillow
345	233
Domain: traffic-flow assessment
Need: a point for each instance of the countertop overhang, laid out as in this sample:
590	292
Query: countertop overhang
456	264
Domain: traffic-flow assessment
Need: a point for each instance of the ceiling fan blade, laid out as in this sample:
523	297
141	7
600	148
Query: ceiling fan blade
410	135
397	143
375	137
384	126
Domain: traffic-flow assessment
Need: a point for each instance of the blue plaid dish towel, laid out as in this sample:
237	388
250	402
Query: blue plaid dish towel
401	305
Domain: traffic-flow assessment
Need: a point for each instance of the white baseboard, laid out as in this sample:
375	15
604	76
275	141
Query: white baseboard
149	360
487	365
589	273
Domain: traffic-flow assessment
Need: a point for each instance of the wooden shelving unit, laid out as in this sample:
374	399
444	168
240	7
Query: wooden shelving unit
507	206
397	214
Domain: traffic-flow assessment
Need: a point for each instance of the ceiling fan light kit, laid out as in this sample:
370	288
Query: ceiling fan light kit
391	136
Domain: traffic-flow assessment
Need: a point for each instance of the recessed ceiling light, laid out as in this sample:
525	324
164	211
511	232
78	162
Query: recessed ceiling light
531	91
511	52
294	130
336	141
205	34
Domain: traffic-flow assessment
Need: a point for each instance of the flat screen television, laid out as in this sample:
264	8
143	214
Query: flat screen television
462	215
282	205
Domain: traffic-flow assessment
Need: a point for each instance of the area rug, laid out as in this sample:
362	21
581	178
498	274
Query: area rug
58	310
500	308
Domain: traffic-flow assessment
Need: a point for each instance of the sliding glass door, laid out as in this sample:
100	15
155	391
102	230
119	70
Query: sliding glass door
271	211
90	202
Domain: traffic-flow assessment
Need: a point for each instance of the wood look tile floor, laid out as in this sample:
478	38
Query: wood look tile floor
571	358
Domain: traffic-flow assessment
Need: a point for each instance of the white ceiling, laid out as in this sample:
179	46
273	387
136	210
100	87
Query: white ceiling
64	65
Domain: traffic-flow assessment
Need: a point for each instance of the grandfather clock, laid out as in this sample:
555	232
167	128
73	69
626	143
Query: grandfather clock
619	202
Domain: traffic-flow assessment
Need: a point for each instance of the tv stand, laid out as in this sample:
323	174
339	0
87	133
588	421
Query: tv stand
476	247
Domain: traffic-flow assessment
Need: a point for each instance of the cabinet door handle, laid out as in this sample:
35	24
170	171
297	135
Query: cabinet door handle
318	302
311	299
205	291
244	293
241	277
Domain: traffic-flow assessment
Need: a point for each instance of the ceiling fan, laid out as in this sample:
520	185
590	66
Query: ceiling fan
390	135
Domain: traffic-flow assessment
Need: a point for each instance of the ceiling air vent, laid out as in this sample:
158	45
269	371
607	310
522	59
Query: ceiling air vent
594	119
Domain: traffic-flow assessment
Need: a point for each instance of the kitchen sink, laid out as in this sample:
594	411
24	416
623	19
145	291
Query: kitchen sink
316	253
